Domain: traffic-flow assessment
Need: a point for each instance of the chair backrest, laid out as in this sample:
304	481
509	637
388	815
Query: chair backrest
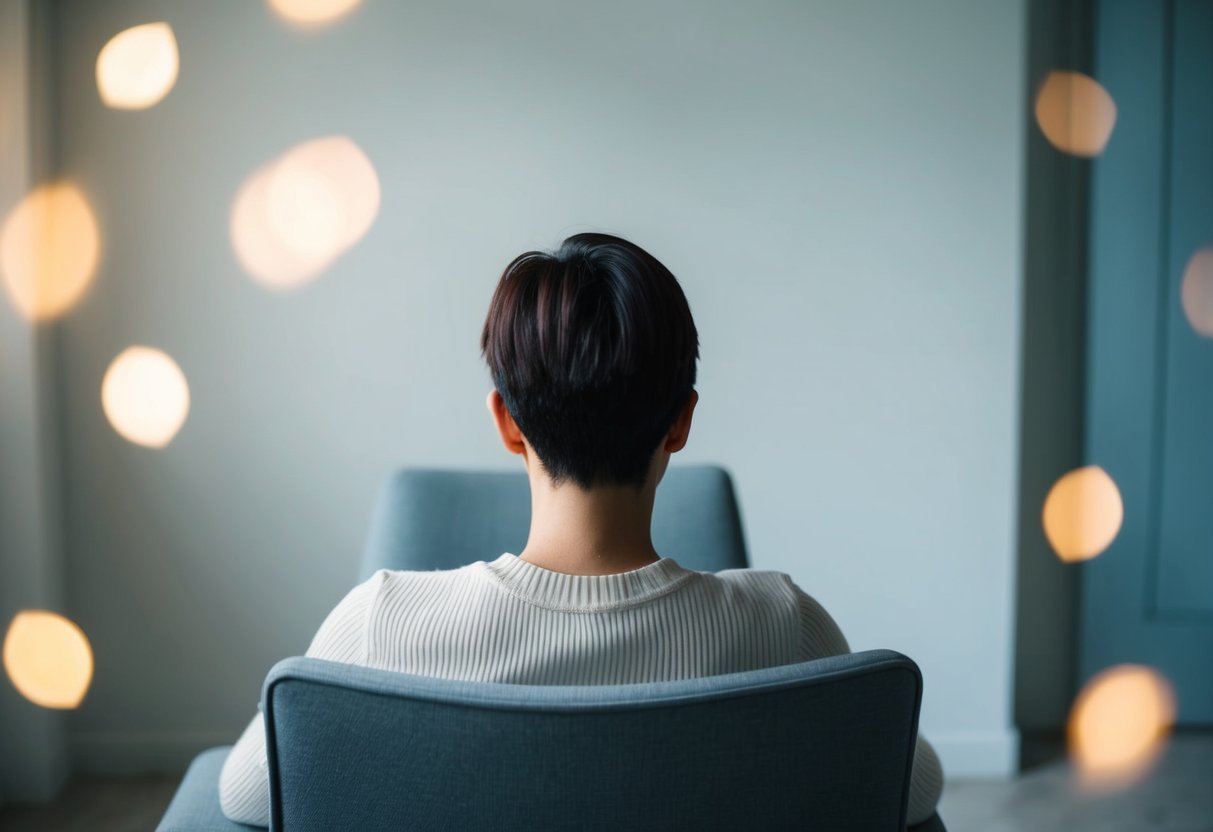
443	519
825	745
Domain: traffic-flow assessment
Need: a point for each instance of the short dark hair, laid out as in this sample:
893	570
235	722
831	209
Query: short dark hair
593	350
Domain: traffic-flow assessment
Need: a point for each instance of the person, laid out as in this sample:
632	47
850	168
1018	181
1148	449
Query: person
592	350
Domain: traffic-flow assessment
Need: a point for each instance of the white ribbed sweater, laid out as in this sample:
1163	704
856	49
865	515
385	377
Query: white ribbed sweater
512	621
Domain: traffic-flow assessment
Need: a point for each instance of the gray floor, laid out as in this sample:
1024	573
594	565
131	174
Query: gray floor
1176	797
97	804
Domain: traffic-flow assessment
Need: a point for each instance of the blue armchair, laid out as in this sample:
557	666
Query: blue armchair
826	744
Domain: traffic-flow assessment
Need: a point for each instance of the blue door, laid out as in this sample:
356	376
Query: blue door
1149	598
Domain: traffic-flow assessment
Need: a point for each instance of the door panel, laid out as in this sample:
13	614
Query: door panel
1149	598
1183	560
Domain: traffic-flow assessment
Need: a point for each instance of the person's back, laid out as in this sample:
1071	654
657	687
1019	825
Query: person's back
511	621
592	352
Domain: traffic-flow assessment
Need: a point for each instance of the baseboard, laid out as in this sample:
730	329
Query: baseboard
168	752
981	755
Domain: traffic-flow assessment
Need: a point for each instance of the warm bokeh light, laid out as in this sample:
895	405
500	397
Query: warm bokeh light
138	67
48	659
145	396
258	247
294	216
1075	113
334	170
49	247
1082	513
1196	292
1118	725
313	12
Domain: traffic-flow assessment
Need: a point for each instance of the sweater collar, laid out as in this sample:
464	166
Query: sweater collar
585	593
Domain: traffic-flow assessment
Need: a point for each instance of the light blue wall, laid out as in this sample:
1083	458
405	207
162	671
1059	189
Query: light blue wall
837	185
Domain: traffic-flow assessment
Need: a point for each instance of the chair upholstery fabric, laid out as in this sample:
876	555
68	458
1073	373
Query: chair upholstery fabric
429	519
195	807
825	744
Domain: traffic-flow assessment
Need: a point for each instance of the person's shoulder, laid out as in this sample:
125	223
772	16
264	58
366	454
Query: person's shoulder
764	582
391	579
820	633
746	575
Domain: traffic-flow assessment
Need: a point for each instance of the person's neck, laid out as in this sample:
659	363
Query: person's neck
600	532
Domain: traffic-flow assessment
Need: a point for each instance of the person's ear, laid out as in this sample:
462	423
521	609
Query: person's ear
511	436
676	439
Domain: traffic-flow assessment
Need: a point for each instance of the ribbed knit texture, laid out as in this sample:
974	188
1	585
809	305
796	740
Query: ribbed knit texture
511	621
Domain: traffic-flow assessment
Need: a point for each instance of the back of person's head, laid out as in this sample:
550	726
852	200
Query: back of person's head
593	351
